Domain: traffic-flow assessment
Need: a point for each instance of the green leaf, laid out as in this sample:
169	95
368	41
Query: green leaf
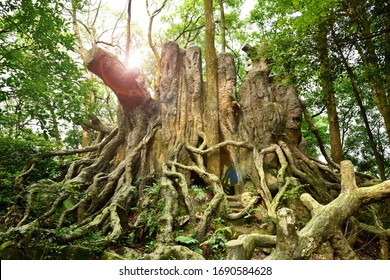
186	240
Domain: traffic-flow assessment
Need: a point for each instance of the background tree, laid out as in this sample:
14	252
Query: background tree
153	9
36	48
128	32
294	51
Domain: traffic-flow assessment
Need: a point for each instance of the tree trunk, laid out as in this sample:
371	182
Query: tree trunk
211	96
329	96
222	26
152	15
370	60
128	32
86	135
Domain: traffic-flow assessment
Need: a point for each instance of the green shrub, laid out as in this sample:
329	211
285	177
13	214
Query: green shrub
14	153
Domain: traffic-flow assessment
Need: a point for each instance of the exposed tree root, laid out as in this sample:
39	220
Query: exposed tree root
216	186
327	219
107	204
290	182
166	220
245	211
378	230
104	205
30	165
176	252
243	247
183	185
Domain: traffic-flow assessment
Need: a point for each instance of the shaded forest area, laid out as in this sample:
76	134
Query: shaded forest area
263	135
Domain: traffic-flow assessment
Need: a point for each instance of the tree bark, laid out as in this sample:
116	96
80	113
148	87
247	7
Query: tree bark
130	92
327	219
211	96
329	96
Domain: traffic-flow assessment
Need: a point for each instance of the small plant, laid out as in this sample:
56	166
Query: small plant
150	209
216	241
294	192
186	240
190	242
198	192
150	246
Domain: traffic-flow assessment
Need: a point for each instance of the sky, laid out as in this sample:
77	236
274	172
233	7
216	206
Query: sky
138	10
140	16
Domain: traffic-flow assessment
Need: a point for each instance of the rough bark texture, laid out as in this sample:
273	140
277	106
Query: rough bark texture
211	94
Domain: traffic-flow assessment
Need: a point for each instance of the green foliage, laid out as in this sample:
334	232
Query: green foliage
183	239
198	192
94	241
150	209
293	193
217	238
186	23
321	124
73	138
14	153
190	242
291	30
40	82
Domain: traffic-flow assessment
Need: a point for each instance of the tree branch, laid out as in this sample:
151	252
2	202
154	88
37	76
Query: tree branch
116	75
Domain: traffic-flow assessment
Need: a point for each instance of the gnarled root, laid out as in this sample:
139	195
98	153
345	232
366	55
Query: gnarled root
243	247
326	219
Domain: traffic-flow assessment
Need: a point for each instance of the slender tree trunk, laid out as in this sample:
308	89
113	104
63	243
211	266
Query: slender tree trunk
86	135
374	76
314	130
211	104
387	55
222	26
156	54
128	33
356	91
329	96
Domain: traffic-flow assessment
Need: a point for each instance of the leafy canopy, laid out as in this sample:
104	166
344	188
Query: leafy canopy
40	84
